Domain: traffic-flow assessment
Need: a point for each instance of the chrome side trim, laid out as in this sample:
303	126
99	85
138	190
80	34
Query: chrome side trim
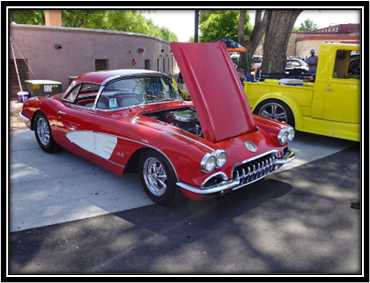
141	143
152	147
120	165
98	143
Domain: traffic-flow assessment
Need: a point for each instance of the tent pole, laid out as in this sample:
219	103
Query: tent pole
15	64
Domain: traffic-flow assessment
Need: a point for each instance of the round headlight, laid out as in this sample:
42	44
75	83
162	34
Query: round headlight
291	134
208	163
221	158
283	136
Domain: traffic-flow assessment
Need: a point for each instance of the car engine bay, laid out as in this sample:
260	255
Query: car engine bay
183	118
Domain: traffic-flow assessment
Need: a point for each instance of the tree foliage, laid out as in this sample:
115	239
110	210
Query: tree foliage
28	17
120	20
216	24
307	25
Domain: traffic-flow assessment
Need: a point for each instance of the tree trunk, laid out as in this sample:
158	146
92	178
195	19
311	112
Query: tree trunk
241	22
258	31
279	25
252	42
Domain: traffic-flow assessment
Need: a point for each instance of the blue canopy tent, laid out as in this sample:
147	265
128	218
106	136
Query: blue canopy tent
232	45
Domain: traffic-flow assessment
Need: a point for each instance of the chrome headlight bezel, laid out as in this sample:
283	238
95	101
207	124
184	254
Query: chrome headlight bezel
286	135
221	158
208	163
291	134
213	160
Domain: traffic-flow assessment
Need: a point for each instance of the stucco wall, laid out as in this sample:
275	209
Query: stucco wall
80	49
301	43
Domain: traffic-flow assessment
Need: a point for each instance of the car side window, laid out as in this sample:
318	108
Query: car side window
83	95
87	95
73	94
296	64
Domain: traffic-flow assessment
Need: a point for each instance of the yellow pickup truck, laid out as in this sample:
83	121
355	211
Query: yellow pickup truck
330	106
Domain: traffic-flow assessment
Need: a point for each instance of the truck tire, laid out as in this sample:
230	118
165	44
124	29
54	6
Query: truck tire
276	110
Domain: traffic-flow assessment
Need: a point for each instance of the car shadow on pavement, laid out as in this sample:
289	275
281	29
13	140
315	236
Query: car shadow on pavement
297	221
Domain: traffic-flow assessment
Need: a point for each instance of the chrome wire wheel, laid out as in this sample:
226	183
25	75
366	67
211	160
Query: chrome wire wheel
274	111
158	177
155	176
43	131
44	134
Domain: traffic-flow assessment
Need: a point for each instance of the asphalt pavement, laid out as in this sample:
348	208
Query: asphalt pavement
69	216
54	188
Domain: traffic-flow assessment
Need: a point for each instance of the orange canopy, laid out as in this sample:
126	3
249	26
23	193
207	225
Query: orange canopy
237	49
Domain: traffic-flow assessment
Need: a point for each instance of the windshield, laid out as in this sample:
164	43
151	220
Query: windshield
136	91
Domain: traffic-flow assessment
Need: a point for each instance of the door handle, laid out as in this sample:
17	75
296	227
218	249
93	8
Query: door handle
329	89
60	112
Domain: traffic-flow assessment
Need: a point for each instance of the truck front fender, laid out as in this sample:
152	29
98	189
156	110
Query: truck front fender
288	100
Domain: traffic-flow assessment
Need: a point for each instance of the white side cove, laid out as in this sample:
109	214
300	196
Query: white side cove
100	144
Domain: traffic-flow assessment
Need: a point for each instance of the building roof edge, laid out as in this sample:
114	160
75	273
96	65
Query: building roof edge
66	29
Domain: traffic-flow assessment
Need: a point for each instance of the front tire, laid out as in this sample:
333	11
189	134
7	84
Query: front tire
43	134
158	179
276	110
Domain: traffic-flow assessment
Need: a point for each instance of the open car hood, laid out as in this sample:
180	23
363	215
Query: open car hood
215	88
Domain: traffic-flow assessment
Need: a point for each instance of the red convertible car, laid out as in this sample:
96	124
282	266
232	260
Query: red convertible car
134	120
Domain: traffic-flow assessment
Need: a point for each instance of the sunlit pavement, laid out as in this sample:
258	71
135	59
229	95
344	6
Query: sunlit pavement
54	188
295	221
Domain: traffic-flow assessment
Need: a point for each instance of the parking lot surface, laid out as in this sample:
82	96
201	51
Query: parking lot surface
69	216
54	188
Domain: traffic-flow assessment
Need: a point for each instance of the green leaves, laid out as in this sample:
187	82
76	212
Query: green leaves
216	24
120	20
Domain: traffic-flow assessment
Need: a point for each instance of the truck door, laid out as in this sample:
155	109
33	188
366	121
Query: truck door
342	97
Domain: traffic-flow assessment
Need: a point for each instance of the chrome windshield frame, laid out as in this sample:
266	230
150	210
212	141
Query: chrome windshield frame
118	78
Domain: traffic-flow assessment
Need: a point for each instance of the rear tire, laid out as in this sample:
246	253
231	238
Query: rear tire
158	179
43	134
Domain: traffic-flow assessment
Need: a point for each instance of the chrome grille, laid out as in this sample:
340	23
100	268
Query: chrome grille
254	170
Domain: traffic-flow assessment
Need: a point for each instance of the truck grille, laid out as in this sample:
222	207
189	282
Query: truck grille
254	170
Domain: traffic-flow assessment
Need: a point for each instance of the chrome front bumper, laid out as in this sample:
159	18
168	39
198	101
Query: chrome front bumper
244	173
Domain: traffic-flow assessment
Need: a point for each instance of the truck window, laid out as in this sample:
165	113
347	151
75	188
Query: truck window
354	66
347	65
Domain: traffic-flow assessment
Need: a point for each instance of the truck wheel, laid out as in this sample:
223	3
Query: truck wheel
277	110
158	179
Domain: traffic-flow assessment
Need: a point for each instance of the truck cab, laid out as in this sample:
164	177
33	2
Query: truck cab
329	106
337	86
